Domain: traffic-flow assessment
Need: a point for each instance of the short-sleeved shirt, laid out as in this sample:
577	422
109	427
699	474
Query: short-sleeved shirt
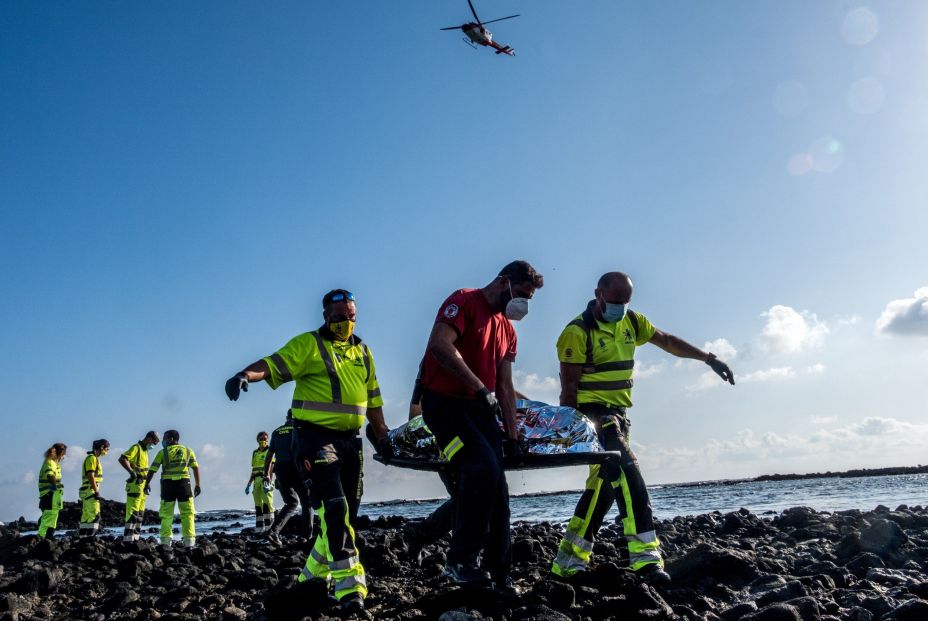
485	338
91	465
282	440
608	380
177	462
137	456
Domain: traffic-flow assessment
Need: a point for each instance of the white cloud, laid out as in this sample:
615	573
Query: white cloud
848	320
816	369
26	478
212	451
705	381
767	375
536	387
823	420
906	317
73	458
645	370
721	348
790	331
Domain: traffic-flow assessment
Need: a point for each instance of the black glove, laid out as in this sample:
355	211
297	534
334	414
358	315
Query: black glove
512	449
488	403
132	479
385	450
196	491
147	490
721	368
139	478
235	386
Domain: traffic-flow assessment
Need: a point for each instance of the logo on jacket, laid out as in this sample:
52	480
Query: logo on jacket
451	311
628	337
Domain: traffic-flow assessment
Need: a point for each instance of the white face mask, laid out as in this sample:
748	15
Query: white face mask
516	308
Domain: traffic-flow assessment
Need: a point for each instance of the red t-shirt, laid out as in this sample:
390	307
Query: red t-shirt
485	337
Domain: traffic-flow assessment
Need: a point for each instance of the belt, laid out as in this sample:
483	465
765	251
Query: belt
601	409
305	425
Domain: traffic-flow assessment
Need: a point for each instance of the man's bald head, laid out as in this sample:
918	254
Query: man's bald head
615	287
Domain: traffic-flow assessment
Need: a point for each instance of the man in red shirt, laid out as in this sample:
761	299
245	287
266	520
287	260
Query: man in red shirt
469	358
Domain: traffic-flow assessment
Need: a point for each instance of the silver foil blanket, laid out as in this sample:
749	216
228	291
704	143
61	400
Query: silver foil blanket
543	430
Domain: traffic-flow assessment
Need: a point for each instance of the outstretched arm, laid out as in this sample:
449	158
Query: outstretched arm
681	349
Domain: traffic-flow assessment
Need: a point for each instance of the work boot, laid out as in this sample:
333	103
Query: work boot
412	542
274	538
506	587
654	575
469	575
353	603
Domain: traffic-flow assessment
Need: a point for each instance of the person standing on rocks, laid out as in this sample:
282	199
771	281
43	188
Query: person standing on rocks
178	461
259	486
468	358
281	462
89	493
51	491
135	462
336	389
596	352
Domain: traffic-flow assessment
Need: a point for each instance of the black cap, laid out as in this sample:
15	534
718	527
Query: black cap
337	295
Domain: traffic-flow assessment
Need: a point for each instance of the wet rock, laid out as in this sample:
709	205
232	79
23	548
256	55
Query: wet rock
883	537
233	613
863	563
707	561
461	614
775	612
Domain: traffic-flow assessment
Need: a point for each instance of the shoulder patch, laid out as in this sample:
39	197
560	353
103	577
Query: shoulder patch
569	352
451	311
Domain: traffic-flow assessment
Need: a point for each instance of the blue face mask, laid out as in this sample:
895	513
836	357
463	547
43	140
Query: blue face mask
614	313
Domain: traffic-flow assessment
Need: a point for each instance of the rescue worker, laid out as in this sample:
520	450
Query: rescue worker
259	486
469	358
281	463
89	493
596	352
178	461
336	387
51	491
135	461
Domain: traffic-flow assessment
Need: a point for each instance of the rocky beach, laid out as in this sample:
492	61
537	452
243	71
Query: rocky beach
799	565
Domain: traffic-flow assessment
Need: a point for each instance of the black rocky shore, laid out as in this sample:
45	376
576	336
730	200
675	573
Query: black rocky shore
800	565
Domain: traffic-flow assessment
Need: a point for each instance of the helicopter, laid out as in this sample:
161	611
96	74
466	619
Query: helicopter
477	34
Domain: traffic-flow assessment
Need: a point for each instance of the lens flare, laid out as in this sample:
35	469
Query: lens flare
800	164
866	96
860	26
827	154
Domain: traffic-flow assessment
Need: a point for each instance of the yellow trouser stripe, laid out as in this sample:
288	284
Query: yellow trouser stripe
453	447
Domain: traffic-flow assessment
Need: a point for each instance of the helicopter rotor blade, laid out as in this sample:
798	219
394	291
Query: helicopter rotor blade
452	28
472	10
500	19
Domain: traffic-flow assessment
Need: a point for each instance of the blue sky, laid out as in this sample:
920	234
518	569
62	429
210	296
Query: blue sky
180	184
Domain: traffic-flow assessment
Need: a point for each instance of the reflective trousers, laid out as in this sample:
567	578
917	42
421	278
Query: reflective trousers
50	504
135	511
332	463
177	491
606	484
471	441
264	505
90	513
295	495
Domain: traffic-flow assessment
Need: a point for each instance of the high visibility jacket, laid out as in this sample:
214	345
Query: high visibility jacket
336	381
607	353
49	466
137	456
177	460
93	466
258	458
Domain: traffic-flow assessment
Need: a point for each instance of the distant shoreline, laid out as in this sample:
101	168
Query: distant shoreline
845	474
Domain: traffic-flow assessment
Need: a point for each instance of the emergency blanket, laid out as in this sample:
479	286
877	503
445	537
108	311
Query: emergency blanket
551	436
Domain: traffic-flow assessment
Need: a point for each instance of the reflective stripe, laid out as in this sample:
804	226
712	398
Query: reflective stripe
335	408
330	369
453	447
618	365
616	385
646	538
307	574
373	393
565	564
319	558
580	542
282	368
350	582
347	563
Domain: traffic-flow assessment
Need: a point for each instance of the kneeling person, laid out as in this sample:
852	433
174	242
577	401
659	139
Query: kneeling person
177	460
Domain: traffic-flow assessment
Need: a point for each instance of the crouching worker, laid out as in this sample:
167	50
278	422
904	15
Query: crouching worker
135	462
177	461
259	486
89	493
51	491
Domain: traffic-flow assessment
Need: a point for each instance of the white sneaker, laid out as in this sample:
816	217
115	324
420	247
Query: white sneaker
190	543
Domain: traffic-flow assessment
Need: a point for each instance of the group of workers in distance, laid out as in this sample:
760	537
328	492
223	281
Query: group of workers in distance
175	462
466	391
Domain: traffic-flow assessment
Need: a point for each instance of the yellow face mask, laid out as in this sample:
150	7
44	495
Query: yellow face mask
342	329
262	443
